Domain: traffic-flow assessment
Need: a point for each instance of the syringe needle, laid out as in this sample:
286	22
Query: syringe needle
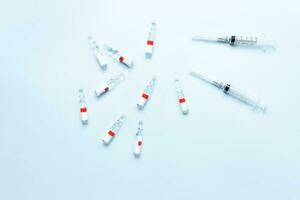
200	76
209	39
206	79
203	38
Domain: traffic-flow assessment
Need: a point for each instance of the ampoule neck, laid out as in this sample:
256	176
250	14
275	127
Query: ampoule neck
140	128
81	96
151	84
153	25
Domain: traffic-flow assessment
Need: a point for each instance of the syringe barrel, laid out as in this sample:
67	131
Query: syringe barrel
239	95
251	40
243	40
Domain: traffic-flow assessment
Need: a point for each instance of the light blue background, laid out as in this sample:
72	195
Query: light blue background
221	150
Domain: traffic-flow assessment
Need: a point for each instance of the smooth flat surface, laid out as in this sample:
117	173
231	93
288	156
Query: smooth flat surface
221	150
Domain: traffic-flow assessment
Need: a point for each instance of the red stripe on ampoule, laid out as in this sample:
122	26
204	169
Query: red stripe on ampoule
150	42
145	96
111	133
83	110
182	100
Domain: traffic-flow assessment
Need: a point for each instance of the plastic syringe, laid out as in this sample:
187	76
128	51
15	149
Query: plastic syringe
238	40
232	91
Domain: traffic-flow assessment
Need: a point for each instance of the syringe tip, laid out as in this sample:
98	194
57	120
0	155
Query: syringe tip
193	73
260	106
196	74
197	38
